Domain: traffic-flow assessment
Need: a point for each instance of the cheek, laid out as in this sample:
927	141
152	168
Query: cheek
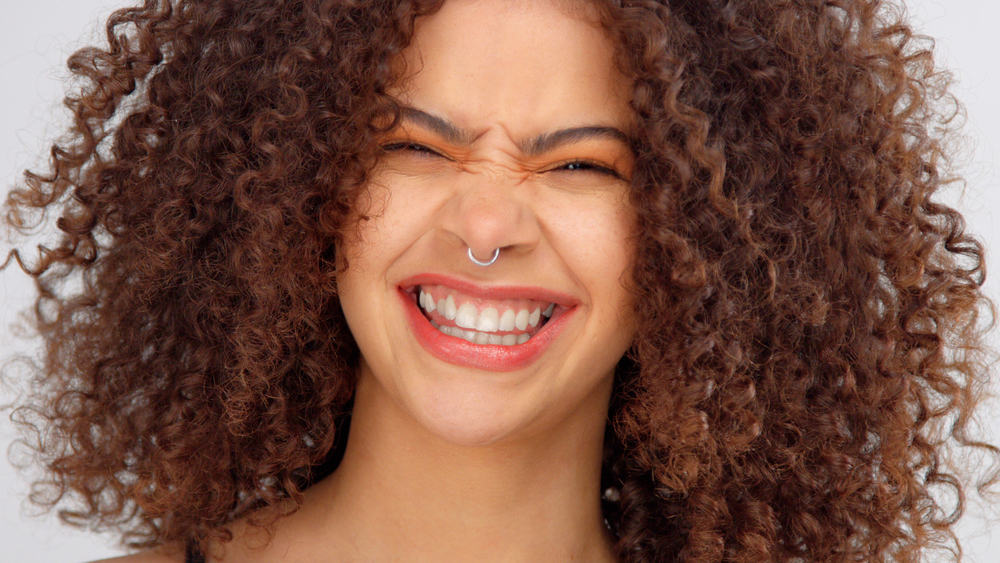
597	238
596	241
384	217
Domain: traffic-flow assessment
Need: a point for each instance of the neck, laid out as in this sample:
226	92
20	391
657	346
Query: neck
403	493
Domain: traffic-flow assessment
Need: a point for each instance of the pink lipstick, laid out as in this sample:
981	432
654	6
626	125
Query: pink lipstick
489	357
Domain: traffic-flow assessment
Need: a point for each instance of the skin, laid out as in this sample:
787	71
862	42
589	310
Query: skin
446	462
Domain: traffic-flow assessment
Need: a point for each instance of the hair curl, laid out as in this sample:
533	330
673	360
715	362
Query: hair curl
809	340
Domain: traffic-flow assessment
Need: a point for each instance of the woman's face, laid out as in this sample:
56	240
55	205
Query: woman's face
513	137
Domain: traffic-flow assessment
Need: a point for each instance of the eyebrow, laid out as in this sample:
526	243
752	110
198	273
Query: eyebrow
537	145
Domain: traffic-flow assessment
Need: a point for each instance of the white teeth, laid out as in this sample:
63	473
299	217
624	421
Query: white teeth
521	320
534	317
483	338
449	308
427	302
466	317
507	321
489	320
481	326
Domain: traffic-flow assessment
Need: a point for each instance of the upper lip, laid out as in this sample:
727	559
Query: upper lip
494	292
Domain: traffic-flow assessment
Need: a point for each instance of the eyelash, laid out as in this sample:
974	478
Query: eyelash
588	166
570	166
413	147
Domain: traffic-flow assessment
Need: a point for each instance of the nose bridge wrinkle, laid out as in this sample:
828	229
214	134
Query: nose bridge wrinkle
495	170
499	183
492	210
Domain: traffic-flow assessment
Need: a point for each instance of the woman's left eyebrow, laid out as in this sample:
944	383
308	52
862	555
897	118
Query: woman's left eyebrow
548	141
532	147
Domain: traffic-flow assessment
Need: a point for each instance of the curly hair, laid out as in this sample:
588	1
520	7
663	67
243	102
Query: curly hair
809	337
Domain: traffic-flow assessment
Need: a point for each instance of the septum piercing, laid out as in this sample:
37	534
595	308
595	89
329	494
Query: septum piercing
477	262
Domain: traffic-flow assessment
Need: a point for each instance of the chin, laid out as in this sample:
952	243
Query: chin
471	419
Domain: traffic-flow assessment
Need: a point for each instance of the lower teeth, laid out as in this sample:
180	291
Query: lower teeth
476	337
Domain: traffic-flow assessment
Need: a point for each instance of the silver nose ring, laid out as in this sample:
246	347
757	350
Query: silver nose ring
478	262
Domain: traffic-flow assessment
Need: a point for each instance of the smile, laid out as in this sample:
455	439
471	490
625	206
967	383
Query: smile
482	321
492	328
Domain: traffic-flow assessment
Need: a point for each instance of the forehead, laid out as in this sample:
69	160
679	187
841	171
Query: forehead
522	66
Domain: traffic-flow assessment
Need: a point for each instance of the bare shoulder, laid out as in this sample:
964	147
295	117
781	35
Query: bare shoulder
158	555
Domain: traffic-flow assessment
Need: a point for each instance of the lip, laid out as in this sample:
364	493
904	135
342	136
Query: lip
492	292
459	351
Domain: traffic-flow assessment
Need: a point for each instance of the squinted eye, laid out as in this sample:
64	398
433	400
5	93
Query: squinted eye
408	147
586	166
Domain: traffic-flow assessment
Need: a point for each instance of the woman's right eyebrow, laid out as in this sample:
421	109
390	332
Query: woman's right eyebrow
541	143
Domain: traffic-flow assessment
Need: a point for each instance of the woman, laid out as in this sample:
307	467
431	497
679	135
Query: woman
486	280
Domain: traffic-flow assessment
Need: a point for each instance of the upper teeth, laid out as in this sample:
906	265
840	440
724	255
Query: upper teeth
489	319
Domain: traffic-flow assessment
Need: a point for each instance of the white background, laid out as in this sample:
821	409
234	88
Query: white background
37	36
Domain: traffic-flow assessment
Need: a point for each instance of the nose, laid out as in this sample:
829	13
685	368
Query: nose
490	210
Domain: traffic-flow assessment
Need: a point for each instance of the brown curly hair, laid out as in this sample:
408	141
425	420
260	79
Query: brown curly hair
809	324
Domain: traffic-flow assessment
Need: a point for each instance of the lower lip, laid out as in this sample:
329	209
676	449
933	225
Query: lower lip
488	357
